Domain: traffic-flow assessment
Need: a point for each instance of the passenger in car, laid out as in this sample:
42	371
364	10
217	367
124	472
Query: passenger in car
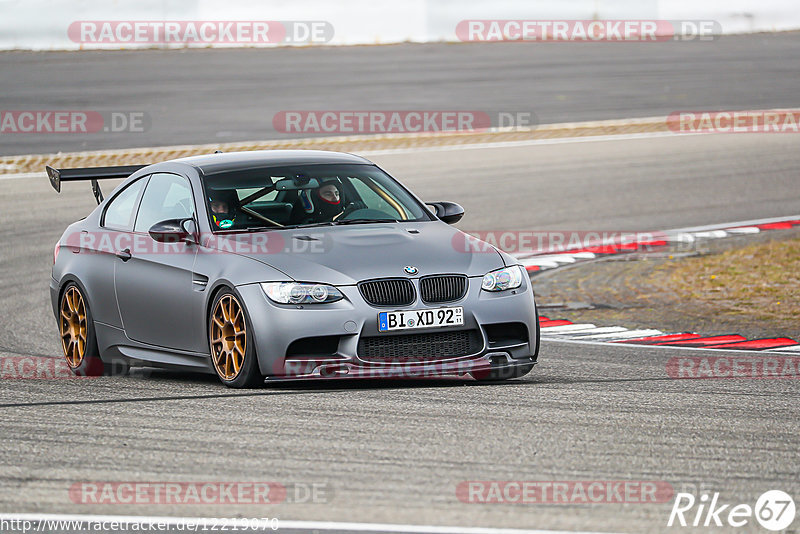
223	206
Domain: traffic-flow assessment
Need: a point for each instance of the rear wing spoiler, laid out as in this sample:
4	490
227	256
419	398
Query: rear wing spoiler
92	174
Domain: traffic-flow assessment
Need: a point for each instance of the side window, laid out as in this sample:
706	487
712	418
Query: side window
120	211
167	196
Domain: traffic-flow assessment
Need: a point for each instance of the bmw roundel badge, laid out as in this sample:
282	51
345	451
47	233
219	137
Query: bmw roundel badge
409	269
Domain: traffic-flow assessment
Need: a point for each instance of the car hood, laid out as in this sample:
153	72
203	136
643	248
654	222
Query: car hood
345	255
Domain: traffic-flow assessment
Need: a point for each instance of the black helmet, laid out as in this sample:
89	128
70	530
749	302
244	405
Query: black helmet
227	217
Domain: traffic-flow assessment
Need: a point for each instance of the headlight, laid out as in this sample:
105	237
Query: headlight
502	279
301	293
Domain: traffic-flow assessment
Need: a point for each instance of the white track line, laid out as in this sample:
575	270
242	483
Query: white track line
527	142
681	237
567	328
735	224
284	525
791	348
625	334
711	234
583	255
744	230
573	255
751	352
599	331
557	258
628	334
528	262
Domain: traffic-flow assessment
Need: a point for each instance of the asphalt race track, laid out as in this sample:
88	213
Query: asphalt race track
395	451
208	96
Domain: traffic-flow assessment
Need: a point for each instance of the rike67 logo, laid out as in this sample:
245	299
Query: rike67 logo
774	510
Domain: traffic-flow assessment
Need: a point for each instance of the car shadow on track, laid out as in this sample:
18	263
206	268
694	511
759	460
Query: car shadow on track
169	379
366	384
315	385
218	390
323	384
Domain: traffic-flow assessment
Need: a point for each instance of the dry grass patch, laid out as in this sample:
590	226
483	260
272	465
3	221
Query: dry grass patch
760	280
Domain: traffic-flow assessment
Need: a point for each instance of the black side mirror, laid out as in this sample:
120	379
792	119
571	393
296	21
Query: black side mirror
174	231
449	212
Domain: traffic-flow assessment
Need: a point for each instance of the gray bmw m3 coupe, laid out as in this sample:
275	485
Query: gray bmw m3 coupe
275	265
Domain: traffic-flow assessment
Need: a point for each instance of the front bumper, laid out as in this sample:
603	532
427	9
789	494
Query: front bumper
276	327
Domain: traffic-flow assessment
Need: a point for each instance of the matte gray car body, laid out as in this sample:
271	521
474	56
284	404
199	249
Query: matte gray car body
154	308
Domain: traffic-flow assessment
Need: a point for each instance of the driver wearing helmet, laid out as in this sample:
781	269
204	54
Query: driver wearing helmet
222	206
323	204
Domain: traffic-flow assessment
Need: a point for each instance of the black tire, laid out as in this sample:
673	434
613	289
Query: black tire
535	354
76	328
225	342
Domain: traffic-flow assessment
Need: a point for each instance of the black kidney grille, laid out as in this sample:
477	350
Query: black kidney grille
389	292
442	288
430	346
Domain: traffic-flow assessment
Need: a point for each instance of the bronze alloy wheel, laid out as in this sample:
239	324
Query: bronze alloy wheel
73	327
228	334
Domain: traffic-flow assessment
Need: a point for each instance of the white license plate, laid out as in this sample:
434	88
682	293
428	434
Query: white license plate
413	319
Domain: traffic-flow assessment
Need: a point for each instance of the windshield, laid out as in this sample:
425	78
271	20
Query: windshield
307	195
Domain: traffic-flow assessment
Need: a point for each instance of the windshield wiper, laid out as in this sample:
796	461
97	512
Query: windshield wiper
249	229
263	228
309	225
336	223
364	221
